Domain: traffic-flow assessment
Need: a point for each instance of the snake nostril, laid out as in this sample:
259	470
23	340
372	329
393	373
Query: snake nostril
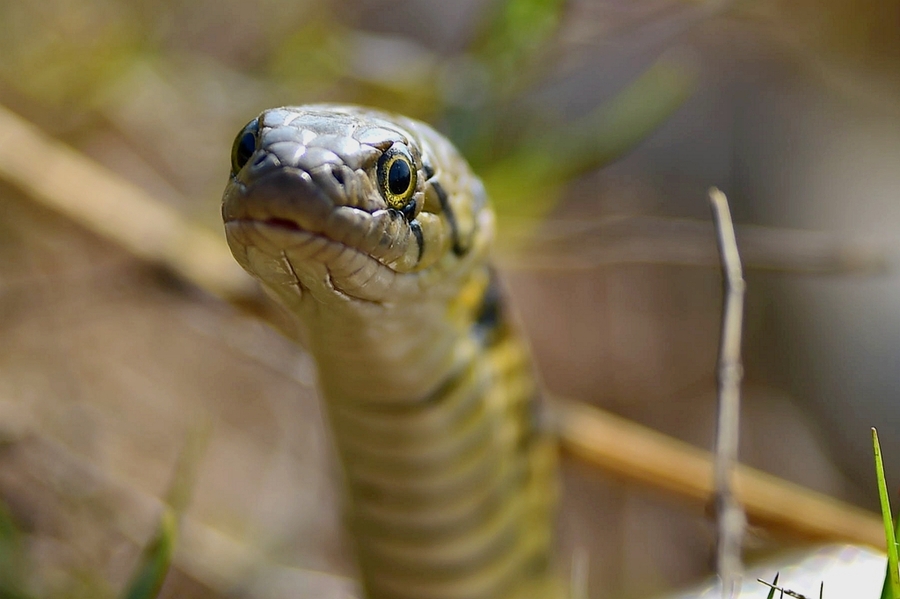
338	176
259	160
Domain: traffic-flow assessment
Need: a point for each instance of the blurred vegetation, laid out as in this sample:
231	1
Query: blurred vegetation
184	69
158	89
13	566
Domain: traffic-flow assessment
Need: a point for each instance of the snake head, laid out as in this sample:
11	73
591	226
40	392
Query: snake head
347	203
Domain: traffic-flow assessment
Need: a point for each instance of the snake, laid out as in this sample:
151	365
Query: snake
372	231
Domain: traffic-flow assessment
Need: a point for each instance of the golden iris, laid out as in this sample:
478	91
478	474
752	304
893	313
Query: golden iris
397	176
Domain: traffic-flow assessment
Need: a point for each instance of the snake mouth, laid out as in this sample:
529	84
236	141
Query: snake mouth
317	238
291	201
282	223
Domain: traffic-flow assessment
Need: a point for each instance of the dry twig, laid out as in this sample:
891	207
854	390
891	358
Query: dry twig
729	514
638	454
65	181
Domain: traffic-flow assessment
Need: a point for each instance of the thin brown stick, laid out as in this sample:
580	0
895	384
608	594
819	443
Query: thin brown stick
638	454
730	516
63	180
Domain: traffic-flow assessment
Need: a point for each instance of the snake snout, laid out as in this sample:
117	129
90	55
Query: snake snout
287	198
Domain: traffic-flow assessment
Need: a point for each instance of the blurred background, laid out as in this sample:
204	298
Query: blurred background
598	126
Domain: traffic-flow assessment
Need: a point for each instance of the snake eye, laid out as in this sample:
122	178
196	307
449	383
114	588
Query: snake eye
397	176
244	146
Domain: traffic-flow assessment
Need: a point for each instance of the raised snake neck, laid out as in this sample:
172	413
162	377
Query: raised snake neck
374	233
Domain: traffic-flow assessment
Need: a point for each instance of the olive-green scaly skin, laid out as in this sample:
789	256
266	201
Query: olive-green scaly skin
430	393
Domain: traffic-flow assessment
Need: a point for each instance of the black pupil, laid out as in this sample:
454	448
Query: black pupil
399	177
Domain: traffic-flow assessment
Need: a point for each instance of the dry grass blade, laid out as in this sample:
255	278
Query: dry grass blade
636	453
729	514
65	181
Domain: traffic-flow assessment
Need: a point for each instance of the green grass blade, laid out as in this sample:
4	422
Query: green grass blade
155	560
13	566
893	567
773	587
891	588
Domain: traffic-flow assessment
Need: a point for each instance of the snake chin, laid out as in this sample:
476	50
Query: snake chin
281	253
